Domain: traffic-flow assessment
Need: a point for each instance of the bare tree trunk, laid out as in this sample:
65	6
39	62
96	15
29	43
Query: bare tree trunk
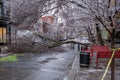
112	65
99	37
90	34
15	39
113	60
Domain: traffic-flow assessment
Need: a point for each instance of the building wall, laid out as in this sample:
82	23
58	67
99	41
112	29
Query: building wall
48	19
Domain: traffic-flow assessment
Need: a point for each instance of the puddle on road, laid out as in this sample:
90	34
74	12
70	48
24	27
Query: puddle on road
9	58
42	62
47	60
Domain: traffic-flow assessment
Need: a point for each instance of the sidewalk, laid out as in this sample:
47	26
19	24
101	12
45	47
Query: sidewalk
74	69
3	55
92	72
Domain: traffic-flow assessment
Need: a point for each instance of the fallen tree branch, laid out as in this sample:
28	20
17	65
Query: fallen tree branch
58	43
63	42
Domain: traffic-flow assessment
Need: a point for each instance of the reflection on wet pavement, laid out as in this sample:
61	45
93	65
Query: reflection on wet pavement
54	66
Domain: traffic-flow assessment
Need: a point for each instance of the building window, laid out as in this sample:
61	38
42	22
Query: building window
3	33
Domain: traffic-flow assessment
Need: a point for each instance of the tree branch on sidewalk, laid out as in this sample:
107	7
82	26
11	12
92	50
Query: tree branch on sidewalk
63	42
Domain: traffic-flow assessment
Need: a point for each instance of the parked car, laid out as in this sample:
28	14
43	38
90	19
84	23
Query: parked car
85	40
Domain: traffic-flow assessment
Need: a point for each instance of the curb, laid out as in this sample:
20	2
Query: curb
74	68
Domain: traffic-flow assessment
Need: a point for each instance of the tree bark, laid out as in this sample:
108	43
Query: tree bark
112	65
113	60
63	42
99	37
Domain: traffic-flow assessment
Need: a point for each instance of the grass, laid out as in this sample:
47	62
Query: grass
9	58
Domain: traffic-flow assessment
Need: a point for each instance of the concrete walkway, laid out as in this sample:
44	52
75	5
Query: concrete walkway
74	68
92	72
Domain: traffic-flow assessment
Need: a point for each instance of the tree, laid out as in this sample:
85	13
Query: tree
104	11
81	12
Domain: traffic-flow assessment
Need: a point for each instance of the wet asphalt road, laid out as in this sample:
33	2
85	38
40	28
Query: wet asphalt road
50	66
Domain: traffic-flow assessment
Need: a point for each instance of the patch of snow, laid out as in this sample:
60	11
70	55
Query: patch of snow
22	33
